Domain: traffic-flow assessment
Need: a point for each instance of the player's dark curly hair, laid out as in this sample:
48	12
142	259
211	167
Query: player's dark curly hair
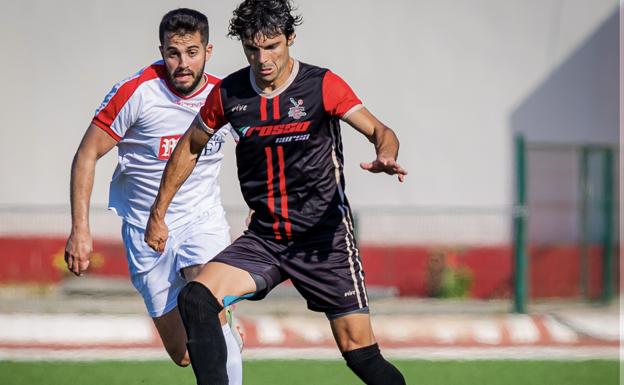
182	21
267	18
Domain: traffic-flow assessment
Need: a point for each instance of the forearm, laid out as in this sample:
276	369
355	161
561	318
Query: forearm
381	136
386	142
81	186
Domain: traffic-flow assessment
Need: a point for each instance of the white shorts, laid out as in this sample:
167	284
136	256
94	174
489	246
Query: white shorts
156	276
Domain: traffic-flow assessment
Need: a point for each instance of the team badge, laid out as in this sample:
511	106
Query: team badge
297	111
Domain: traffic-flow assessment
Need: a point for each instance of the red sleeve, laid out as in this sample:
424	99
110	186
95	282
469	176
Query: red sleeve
212	112
338	97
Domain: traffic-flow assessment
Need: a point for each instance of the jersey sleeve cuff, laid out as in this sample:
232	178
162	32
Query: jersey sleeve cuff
203	125
106	129
351	110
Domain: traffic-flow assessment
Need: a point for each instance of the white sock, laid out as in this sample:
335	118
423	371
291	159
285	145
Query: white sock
234	359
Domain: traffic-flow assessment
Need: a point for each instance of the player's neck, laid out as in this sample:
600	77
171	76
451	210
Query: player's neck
275	87
269	87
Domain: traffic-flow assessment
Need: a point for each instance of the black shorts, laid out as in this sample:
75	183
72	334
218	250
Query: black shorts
325	268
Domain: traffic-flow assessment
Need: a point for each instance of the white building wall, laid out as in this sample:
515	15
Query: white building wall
445	74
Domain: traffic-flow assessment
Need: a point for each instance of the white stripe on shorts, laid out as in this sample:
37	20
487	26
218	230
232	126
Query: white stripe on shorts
350	246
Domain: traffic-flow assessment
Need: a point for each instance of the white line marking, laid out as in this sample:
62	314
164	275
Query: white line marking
269	331
487	332
74	328
558	331
434	354
522	329
445	335
600	326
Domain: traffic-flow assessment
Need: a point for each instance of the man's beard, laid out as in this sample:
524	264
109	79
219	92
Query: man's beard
187	90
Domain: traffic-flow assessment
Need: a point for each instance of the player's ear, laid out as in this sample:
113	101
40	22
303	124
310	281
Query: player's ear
291	39
208	51
162	53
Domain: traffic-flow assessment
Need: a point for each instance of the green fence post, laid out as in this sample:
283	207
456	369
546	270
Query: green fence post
584	219
607	215
520	213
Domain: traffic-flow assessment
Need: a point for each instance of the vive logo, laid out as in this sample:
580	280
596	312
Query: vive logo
239	108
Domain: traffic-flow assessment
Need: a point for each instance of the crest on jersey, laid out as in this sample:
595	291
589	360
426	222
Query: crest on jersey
297	111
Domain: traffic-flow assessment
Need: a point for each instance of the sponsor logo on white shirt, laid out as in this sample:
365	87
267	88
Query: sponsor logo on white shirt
196	105
167	144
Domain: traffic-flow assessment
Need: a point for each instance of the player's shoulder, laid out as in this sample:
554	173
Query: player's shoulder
325	75
154	71
237	83
212	79
306	69
237	77
130	87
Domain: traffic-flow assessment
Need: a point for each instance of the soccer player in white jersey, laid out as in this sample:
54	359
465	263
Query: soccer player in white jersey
144	116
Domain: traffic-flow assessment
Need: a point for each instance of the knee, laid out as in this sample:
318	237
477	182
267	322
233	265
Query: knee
196	300
182	360
177	352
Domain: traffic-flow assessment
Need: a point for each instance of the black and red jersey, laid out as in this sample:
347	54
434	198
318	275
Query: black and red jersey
289	157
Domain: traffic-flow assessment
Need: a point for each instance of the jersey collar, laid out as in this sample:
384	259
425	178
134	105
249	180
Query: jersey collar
191	96
280	89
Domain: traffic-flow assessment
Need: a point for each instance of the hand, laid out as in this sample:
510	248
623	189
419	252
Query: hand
387	165
78	252
156	233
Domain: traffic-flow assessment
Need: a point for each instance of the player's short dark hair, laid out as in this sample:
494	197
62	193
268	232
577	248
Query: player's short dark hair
183	21
268	18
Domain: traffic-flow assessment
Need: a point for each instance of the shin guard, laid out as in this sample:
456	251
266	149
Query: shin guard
206	345
368	364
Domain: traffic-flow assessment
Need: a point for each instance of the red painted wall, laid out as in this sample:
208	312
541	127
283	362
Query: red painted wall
554	271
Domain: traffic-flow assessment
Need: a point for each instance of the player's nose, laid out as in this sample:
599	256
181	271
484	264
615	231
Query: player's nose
184	62
263	56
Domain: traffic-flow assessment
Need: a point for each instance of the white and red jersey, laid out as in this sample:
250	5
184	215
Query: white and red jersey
147	117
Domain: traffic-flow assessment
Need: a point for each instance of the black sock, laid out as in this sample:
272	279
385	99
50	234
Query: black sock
368	364
206	345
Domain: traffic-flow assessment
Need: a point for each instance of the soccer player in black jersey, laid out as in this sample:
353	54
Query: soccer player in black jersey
290	168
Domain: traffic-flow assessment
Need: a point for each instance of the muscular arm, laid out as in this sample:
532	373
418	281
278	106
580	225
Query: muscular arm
93	146
385	141
179	167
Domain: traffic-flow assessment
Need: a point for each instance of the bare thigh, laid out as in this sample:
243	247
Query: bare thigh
352	331
223	280
189	273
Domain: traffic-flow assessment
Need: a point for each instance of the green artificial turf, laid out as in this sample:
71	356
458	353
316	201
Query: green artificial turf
312	372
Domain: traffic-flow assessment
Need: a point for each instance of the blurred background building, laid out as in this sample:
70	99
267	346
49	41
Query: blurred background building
459	80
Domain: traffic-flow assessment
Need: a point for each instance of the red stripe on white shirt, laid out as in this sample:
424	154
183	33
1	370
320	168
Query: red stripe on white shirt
107	115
